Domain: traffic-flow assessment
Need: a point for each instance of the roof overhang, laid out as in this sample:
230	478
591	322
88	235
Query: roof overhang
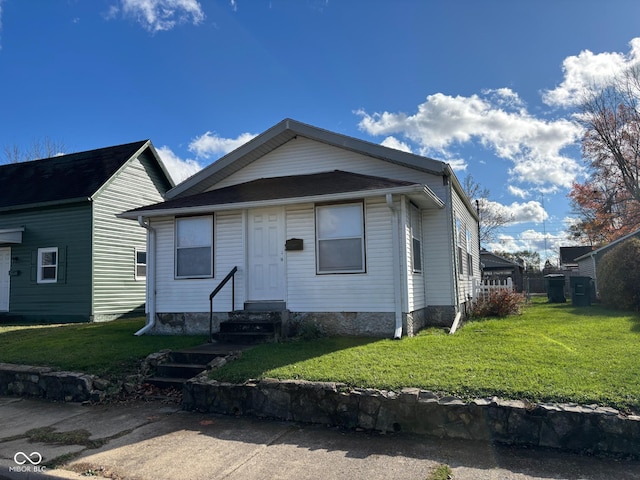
11	235
421	195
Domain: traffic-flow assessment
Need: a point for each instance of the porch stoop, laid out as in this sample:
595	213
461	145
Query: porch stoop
183	365
254	324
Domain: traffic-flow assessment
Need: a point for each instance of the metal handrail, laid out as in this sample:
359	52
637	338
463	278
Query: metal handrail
230	276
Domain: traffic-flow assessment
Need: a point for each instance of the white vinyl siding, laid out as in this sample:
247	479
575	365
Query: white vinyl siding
302	156
115	240
192	295
468	254
372	291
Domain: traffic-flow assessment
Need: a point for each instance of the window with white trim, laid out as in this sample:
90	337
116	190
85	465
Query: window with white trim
141	264
340	238
460	247
48	265
469	254
416	238
194	247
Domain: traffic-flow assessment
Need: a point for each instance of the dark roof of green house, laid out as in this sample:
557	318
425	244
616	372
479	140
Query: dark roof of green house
67	177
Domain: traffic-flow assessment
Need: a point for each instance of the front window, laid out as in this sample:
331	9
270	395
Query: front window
340	238
194	247
48	265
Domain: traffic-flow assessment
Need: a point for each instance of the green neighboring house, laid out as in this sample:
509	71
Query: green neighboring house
64	255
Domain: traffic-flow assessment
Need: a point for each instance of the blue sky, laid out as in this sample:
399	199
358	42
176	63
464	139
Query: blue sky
489	87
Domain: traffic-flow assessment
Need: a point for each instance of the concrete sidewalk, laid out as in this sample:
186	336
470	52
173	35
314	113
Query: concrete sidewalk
156	440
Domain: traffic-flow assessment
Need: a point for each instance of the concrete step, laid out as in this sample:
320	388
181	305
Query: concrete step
167	382
180	370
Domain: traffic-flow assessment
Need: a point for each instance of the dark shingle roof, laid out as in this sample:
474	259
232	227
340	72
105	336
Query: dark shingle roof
569	254
294	186
491	260
67	177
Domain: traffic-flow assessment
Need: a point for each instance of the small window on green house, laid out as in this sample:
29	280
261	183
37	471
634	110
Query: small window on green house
48	265
141	264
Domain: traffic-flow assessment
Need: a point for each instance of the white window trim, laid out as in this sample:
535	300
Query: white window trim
41	252
415	220
469	238
136	264
176	248
361	237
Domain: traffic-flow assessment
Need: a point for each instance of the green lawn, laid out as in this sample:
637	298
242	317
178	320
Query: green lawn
106	349
552	352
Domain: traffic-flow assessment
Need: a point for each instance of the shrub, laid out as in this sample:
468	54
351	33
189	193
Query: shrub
499	303
618	274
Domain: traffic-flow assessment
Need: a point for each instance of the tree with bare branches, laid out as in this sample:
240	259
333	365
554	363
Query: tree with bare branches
491	220
40	148
608	202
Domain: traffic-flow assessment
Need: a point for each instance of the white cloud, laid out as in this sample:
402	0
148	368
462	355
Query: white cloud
209	144
159	15
178	168
586	71
393	142
547	244
518	192
518	212
498	121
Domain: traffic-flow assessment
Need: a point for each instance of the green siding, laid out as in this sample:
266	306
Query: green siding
116	290
67	227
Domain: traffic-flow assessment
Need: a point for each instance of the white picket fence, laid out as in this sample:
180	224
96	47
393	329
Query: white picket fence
487	285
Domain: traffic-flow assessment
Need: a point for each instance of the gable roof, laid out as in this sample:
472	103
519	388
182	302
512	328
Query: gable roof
602	250
66	178
280	134
568	255
490	260
274	190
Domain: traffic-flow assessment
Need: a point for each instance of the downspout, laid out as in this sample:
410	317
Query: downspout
151	276
397	273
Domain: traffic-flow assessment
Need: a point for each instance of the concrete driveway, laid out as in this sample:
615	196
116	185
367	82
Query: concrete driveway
156	440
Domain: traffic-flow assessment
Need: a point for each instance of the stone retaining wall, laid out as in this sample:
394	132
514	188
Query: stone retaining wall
563	426
47	383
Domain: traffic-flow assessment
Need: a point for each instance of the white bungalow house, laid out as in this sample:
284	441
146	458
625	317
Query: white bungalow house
356	237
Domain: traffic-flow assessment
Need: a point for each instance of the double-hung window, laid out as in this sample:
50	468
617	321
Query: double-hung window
194	247
340	238
141	264
469	254
48	265
416	238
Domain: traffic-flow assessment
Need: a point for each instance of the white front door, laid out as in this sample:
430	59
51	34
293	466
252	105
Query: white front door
266	254
5	279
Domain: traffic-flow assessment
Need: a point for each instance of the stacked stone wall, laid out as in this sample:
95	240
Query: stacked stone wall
563	426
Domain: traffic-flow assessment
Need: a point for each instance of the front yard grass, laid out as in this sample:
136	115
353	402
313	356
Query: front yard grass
109	350
552	352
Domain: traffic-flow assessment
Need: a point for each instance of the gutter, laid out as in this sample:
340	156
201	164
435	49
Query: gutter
397	274
151	276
